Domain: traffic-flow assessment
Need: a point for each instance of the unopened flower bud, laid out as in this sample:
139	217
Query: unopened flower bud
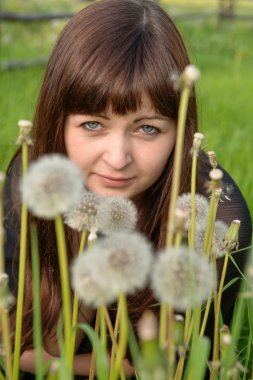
231	238
147	326
216	176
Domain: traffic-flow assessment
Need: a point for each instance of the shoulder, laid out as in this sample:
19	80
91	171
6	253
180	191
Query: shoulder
232	205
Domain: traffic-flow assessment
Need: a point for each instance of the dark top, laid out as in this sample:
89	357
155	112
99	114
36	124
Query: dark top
229	209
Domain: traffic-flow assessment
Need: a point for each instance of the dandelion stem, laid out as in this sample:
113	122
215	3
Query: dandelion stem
103	328
210	224
37	330
5	324
21	275
75	302
217	310
193	203
93	355
171	348
182	114
163	325
206	314
121	349
64	275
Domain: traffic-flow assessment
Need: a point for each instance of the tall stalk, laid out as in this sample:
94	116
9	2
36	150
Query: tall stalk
21	274
5	323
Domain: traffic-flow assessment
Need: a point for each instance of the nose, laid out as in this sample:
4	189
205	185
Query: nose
118	152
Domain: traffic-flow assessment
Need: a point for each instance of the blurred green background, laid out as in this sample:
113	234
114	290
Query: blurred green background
221	47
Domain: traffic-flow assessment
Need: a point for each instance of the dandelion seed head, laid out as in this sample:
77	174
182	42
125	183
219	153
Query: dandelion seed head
220	229
116	214
114	264
84	215
86	274
201	207
128	261
53	185
181	278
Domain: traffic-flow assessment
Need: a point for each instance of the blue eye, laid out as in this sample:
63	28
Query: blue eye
91	125
149	130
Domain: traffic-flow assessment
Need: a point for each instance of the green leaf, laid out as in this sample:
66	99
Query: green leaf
102	361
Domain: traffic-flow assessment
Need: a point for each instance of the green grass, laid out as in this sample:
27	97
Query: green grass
223	52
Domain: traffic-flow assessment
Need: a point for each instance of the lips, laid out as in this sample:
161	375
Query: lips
115	181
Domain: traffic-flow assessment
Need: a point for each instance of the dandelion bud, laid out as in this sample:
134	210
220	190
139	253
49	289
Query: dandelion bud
25	128
212	159
147	326
6	297
190	75
52	185
231	241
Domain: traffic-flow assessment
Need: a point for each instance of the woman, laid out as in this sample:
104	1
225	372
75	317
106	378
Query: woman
107	101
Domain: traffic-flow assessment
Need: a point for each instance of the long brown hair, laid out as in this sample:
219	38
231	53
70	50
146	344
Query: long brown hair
108	54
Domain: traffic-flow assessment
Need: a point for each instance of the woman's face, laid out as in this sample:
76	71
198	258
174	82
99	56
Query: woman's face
120	155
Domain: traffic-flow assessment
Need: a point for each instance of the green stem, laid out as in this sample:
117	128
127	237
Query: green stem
65	287
182	115
206	314
171	348
7	343
121	349
163	326
210	225
103	328
93	355
193	203
75	303
37	329
217	310
21	275
5	323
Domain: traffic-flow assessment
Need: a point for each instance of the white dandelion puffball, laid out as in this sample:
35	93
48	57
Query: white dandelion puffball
119	263
84	215
52	185
220	230
182	279
116	214
86	281
201	208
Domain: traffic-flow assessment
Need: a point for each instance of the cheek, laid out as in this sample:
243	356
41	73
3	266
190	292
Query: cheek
158	159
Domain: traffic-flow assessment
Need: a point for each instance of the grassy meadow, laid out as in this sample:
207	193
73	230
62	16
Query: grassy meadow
222	51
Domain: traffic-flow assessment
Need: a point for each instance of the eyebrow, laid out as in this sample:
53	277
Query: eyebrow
143	117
